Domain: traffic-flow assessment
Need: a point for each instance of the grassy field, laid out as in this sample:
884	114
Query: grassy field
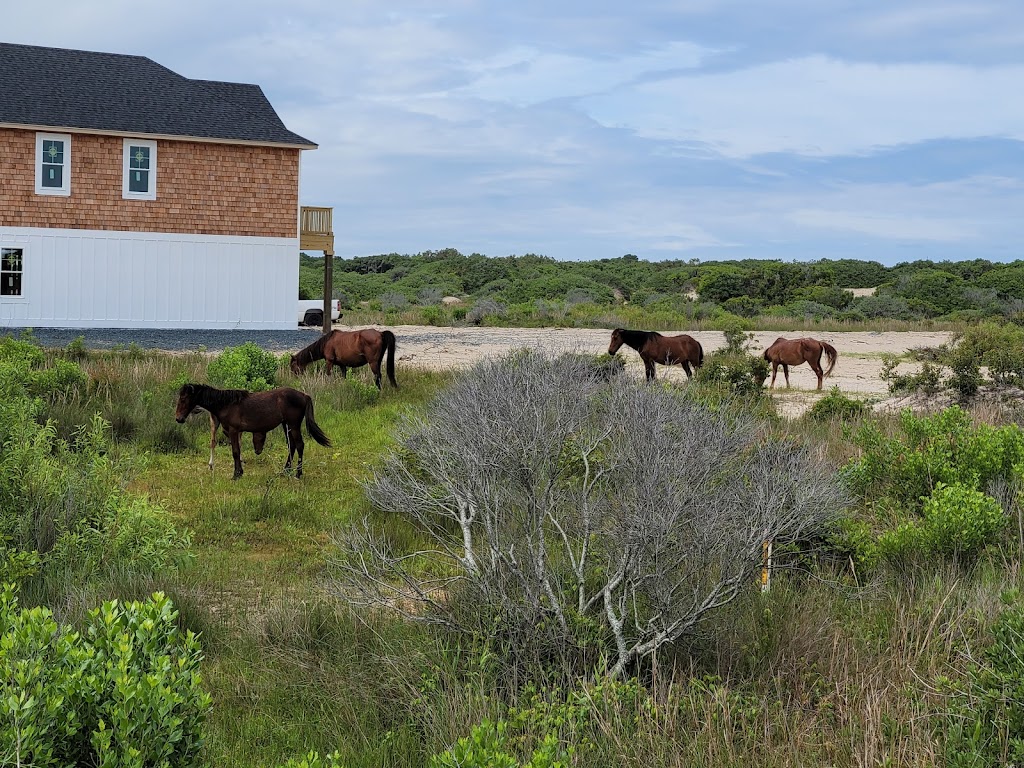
829	668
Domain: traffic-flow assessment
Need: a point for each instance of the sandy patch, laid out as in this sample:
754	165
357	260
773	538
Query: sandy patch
856	372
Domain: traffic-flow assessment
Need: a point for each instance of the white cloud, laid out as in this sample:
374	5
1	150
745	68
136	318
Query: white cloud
819	106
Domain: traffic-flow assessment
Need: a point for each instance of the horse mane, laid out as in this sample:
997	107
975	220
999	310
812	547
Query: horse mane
212	398
314	351
637	339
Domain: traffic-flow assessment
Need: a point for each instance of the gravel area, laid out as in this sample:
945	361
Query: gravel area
176	340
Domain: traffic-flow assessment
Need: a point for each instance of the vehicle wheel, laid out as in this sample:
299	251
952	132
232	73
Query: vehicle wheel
313	317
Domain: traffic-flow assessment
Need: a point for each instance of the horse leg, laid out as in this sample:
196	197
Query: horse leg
329	365
686	367
375	367
296	444
259	439
785	370
818	372
649	369
236	451
775	372
214	424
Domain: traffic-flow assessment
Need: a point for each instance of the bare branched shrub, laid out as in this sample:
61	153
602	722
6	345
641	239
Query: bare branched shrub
572	511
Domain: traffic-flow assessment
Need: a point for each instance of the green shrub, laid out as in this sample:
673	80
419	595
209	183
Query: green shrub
943	448
836	406
927	380
740	373
957	521
244	367
125	692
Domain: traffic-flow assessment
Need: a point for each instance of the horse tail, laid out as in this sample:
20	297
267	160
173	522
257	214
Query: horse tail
700	354
830	351
389	347
312	427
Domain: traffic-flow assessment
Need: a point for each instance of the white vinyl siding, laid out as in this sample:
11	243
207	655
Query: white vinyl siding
104	279
53	164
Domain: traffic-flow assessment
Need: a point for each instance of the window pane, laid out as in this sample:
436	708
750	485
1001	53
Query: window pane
53	175
139	157
11	260
10	284
138	181
53	151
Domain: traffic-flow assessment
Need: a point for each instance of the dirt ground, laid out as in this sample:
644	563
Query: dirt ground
856	372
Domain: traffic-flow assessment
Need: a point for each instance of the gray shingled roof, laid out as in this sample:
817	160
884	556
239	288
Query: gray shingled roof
61	88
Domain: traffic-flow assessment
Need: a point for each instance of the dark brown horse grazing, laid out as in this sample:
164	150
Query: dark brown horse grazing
655	348
787	352
257	412
350	349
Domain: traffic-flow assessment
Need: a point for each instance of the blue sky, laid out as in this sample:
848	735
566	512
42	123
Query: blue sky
710	129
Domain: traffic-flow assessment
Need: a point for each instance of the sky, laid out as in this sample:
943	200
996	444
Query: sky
583	129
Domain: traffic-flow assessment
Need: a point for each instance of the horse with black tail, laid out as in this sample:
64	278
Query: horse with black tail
350	349
665	350
239	410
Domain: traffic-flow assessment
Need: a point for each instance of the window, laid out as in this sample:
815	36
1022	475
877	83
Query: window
10	271
53	164
139	170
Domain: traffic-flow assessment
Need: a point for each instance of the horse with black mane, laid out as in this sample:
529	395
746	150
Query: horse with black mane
787	352
350	349
239	410
665	350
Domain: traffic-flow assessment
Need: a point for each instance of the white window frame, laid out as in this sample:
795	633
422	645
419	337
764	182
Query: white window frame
65	189
24	258
126	192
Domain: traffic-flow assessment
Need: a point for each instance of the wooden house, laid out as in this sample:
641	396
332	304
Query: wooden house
133	197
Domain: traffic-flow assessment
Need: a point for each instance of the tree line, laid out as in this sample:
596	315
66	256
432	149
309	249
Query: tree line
956	291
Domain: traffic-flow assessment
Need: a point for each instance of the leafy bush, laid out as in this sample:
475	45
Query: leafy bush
484	309
957	521
927	380
23	364
393	301
125	692
836	406
928	450
244	367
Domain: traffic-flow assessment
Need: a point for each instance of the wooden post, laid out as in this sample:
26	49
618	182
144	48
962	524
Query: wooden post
766	565
328	289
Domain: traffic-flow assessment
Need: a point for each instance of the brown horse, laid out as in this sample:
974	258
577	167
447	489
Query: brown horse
257	412
787	352
655	348
350	349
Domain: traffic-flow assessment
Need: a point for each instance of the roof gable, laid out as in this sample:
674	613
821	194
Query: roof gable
130	94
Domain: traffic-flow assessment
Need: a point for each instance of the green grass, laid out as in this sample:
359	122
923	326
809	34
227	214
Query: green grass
821	671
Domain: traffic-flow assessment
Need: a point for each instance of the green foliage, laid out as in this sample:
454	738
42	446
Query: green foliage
957	521
942	448
928	379
985	725
125	693
65	499
312	759
835	406
23	364
244	367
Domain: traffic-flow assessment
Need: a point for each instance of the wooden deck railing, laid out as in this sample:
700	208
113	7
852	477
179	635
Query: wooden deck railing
316	228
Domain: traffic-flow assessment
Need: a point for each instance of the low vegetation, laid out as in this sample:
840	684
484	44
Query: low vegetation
158	613
628	292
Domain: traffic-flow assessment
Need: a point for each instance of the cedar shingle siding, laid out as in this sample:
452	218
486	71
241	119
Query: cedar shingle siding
201	188
225	163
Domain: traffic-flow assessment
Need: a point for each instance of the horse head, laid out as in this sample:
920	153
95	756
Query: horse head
616	342
296	366
187	396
